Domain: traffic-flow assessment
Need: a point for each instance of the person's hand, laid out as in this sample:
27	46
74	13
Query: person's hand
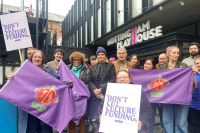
139	125
159	104
194	69
98	96
70	84
100	118
21	63
97	91
10	76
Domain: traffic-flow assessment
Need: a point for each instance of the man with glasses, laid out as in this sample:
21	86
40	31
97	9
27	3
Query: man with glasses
58	54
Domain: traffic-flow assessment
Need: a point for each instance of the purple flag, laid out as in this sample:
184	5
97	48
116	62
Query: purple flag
80	90
40	94
172	86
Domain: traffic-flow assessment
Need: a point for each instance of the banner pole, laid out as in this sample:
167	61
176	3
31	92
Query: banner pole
20	55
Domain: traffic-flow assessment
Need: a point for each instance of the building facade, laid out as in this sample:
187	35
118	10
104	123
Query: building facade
144	27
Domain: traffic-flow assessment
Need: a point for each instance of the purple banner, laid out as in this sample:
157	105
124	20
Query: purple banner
40	94
80	90
172	86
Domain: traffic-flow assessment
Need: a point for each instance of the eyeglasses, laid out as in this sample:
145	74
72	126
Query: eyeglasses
122	78
76	60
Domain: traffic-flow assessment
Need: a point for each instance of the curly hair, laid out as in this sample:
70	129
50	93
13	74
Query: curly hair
77	55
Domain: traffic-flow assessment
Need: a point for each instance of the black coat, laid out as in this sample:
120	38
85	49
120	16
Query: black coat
83	73
108	75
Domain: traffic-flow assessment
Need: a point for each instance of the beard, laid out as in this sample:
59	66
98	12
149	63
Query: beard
194	54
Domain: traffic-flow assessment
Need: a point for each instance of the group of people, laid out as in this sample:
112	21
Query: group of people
173	117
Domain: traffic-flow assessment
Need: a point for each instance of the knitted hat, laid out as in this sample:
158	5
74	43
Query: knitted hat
101	49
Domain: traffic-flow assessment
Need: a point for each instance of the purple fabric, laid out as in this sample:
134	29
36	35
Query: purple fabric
172	86
80	90
54	106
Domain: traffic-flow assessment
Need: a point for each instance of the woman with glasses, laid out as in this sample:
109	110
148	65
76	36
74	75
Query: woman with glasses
81	70
124	77
100	74
28	123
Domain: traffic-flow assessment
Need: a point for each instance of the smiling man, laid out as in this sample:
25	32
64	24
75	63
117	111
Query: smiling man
122	63
194	52
58	54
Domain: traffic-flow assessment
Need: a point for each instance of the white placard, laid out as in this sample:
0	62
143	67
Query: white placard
121	108
16	31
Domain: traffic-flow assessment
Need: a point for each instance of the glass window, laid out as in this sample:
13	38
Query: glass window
188	30
73	15
1	75
81	37
73	44
136	8
199	29
77	10
77	38
91	2
70	44
86	3
92	28
86	40
99	22
156	2
81	7
108	16
120	9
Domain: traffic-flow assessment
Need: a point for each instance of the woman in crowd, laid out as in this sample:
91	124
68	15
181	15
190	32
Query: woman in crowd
100	74
28	123
92	61
146	112
194	109
174	116
136	61
80	69
149	64
112	59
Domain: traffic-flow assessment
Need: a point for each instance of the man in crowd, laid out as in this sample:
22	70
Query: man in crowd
122	63
93	60
58	54
162	60
193	114
194	52
29	52
86	60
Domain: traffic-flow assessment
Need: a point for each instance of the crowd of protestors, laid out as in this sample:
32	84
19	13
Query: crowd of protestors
173	117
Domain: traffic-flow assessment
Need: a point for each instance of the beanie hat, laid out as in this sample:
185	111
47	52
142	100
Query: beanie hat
101	49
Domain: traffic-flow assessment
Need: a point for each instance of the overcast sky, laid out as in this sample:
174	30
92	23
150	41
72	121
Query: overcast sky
60	7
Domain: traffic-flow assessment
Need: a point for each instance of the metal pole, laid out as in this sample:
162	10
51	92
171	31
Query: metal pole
46	41
23	50
37	24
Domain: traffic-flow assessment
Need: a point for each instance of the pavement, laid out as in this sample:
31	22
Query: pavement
157	126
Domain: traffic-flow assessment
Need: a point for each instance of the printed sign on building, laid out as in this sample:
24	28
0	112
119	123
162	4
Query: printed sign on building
16	31
121	108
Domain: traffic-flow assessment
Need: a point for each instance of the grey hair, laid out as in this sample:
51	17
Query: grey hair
122	49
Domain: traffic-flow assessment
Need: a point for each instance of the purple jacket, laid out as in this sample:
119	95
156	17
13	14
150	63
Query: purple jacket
146	113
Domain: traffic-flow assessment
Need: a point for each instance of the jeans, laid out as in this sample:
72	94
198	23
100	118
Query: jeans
152	122
193	121
174	117
35	125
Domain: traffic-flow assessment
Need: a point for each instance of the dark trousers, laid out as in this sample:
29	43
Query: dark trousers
194	121
35	125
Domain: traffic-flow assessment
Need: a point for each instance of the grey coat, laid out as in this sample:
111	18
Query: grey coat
177	65
108	75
